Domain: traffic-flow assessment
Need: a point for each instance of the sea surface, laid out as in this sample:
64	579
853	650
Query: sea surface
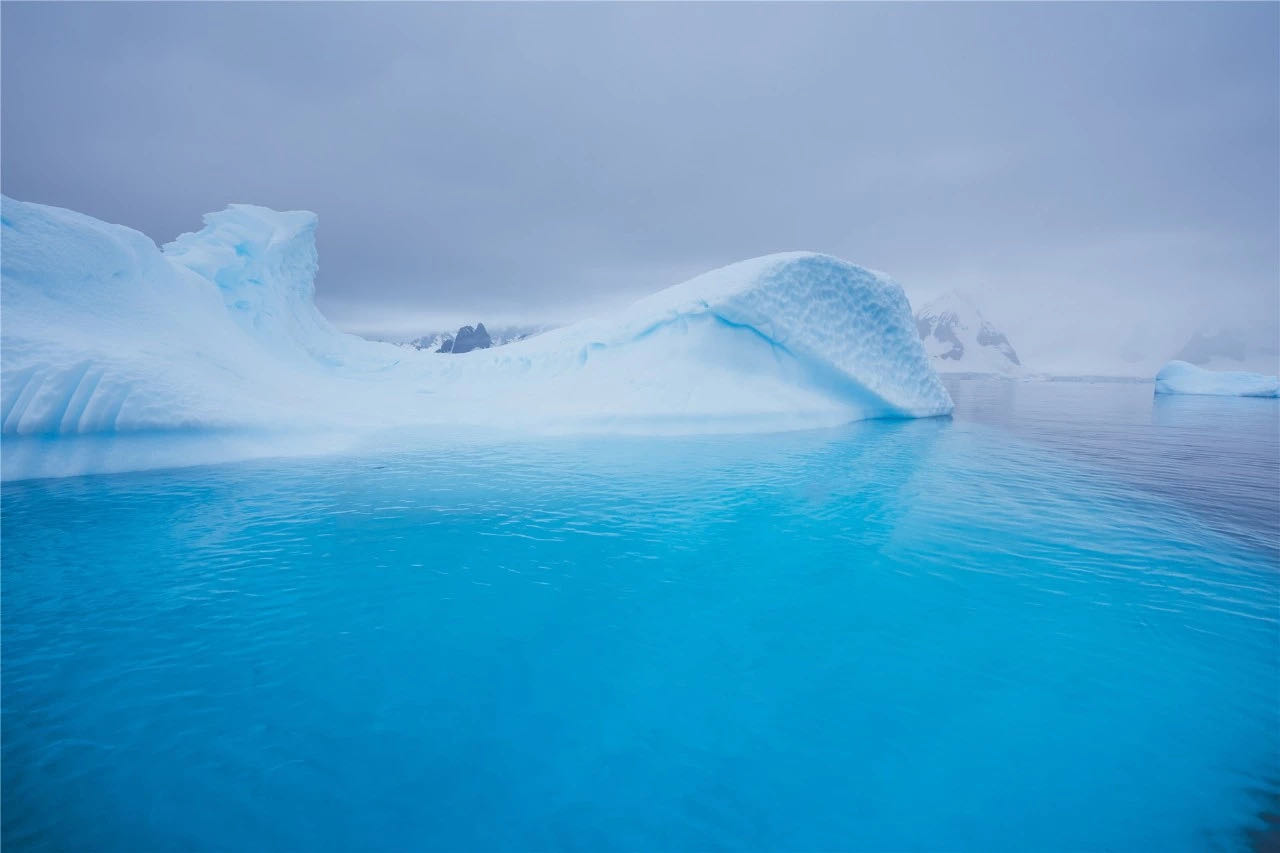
1051	622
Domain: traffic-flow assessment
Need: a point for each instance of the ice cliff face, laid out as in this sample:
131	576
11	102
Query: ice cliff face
263	264
960	340
116	355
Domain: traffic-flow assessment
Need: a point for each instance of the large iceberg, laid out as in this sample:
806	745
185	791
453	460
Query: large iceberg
118	355
1181	377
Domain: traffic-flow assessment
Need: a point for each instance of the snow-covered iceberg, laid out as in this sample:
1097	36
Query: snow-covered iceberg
118	355
1181	377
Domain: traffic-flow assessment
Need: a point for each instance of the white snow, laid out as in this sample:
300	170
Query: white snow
1181	377
117	356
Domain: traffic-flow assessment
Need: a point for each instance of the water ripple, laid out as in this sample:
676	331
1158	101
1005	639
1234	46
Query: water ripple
1016	630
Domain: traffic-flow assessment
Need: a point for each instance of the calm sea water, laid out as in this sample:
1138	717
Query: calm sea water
1050	623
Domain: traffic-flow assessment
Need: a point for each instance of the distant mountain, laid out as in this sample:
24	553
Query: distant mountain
960	340
466	340
1233	349
510	334
470	338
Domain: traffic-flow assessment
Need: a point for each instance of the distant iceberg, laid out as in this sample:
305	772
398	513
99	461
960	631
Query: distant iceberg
1180	377
117	355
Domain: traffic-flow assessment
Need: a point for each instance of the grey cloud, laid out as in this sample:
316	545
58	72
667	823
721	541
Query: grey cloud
1094	162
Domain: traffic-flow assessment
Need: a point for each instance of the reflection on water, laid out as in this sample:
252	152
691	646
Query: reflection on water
1219	456
1050	623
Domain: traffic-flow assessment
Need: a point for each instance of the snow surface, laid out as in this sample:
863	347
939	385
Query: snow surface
117	356
960	340
1181	377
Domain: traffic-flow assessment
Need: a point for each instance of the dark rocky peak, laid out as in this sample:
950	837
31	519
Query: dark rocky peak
467	339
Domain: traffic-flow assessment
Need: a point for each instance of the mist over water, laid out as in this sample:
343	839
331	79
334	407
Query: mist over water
1029	626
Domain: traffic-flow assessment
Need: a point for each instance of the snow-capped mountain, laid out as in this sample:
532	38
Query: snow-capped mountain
960	340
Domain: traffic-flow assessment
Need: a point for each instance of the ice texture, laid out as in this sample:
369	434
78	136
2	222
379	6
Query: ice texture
1181	377
117	355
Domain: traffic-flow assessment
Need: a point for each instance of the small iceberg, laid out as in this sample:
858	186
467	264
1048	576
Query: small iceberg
1180	377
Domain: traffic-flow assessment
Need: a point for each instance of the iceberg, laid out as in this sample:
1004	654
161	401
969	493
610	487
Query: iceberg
116	354
1181	377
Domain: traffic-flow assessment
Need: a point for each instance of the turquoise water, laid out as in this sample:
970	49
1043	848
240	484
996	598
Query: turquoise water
1050	623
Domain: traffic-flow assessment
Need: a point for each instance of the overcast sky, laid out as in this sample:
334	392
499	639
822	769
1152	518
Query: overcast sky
1101	165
